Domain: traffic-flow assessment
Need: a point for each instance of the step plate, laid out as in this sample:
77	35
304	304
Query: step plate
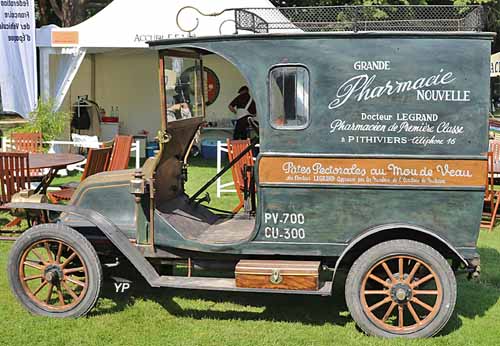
223	284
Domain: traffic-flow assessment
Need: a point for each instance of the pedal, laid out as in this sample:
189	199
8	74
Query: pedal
205	198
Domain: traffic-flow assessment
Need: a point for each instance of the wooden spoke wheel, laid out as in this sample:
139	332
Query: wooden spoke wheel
55	271
401	293
401	288
53	274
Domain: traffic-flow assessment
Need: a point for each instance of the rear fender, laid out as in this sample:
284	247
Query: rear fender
393	231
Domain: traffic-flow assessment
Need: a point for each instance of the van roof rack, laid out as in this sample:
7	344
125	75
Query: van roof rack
361	18
350	18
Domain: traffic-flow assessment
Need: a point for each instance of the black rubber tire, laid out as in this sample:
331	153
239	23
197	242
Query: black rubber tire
80	244
400	247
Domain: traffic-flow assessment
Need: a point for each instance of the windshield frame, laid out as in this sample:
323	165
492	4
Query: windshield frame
183	54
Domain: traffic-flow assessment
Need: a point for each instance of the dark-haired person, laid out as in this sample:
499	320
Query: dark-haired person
243	106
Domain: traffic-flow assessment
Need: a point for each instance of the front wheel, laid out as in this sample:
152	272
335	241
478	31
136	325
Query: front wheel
55	271
401	288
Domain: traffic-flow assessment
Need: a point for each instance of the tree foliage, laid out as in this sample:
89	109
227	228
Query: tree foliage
67	12
71	12
492	7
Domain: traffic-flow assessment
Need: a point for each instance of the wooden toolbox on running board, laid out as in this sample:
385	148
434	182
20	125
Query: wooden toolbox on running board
285	275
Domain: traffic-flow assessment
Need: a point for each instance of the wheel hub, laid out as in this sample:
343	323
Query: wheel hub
53	274
401	293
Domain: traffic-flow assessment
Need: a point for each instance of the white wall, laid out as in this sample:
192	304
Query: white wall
230	81
130	81
80	86
128	78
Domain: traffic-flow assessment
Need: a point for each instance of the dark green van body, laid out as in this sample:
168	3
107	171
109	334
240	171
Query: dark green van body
418	98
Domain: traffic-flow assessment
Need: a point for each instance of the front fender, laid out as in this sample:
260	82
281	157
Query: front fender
108	228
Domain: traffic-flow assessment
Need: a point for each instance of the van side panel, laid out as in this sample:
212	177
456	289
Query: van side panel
443	75
339	215
410	109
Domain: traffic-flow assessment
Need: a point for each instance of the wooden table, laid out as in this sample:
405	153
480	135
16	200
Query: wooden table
52	162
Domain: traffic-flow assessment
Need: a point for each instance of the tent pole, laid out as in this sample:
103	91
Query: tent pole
92	77
45	73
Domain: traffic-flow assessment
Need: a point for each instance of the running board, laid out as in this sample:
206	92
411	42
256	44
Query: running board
223	284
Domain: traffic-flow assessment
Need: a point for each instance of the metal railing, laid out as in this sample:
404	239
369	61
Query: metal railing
135	148
361	18
222	187
349	18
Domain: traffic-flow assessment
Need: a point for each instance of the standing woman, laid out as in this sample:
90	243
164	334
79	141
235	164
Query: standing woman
243	106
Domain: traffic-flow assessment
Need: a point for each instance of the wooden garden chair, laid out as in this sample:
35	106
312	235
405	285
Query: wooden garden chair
491	197
121	153
14	177
30	143
120	156
494	147
239	169
97	161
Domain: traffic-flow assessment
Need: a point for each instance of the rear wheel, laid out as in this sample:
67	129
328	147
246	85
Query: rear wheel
55	271
401	288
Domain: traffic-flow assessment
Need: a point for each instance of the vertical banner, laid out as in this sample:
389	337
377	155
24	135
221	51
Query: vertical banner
18	81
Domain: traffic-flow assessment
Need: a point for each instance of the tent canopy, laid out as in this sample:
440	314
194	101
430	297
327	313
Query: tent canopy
131	23
127	24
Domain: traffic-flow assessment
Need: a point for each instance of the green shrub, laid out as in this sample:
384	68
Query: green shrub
44	119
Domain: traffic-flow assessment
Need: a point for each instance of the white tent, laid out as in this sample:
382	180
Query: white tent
93	58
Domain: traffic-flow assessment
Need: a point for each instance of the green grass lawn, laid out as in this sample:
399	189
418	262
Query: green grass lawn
175	317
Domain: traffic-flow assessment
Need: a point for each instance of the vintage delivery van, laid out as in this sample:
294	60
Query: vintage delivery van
372	160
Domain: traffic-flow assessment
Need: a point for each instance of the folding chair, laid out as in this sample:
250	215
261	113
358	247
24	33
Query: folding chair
97	161
241	170
121	153
14	177
491	197
495	149
30	143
